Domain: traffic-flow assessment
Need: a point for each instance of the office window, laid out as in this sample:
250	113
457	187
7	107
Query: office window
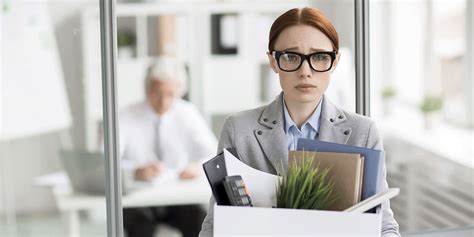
421	97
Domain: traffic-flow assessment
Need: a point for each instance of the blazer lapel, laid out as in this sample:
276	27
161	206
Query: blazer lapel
330	129
271	136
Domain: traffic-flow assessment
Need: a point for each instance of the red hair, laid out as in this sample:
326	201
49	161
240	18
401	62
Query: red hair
305	16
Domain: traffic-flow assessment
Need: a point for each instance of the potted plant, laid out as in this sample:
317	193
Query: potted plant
305	186
429	106
125	44
388	93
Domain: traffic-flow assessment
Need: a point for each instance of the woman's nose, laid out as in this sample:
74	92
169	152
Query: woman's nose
305	69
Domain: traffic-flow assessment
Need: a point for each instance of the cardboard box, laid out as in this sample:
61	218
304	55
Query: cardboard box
232	221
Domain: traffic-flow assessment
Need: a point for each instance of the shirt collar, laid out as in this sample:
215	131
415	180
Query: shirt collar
313	121
155	116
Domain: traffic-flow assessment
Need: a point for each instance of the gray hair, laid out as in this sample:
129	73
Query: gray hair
167	69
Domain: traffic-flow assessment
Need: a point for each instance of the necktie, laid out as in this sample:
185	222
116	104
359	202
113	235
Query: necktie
156	144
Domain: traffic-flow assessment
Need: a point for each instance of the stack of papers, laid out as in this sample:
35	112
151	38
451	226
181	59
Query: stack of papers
261	186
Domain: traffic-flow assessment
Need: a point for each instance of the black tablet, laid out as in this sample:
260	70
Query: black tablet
216	172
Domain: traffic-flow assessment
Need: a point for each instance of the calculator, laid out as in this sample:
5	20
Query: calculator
237	191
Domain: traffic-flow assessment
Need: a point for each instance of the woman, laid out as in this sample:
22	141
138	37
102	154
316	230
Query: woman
303	50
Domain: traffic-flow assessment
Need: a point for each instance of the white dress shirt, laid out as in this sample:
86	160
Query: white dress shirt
309	129
184	136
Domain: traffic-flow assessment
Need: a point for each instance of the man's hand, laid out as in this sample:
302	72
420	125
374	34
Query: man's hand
190	172
149	171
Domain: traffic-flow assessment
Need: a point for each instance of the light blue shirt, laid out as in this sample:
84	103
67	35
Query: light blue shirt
308	130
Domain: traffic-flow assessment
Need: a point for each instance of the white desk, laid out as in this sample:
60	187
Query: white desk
161	193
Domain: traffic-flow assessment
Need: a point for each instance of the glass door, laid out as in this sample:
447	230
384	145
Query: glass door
52	173
221	46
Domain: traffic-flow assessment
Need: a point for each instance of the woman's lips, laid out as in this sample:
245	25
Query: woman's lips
305	87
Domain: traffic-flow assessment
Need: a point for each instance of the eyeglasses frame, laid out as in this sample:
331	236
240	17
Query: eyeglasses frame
277	54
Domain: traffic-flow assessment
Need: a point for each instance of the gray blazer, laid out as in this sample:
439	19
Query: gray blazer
259	137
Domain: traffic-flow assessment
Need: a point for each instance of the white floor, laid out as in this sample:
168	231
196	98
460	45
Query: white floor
49	225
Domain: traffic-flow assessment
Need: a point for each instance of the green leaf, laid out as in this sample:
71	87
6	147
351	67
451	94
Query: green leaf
305	185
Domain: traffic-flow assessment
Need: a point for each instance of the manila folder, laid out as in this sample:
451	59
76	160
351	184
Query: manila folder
346	172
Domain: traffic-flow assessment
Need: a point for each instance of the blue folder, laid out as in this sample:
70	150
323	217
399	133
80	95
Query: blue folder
373	161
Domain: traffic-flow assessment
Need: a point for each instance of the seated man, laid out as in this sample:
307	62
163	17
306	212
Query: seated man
164	132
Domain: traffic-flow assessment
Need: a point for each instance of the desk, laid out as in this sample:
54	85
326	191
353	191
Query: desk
160	193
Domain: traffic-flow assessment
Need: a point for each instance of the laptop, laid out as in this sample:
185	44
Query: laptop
86	171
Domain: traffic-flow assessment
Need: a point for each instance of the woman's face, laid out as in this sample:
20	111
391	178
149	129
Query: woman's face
303	85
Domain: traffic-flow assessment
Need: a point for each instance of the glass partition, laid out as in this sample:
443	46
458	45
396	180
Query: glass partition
52	184
421	97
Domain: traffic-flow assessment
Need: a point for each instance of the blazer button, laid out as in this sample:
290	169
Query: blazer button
265	120
346	132
340	117
331	120
274	122
259	132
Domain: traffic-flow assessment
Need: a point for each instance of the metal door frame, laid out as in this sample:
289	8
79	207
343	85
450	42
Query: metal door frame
108	41
109	57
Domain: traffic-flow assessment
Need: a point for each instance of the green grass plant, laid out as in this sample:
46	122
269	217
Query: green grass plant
305	185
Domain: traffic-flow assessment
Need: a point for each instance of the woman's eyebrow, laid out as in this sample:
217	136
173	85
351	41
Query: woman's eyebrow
312	49
291	48
320	50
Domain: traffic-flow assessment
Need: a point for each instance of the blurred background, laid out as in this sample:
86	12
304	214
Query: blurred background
421	69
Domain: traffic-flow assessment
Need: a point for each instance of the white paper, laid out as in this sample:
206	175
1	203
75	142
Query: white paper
261	186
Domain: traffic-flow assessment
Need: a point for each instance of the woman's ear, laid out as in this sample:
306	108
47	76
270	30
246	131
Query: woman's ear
273	62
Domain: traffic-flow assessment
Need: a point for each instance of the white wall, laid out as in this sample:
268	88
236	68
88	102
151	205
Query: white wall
381	74
408	57
23	159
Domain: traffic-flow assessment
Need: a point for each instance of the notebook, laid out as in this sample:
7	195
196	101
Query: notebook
346	170
373	161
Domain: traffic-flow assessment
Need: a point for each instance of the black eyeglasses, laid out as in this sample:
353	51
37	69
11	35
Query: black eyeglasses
292	61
